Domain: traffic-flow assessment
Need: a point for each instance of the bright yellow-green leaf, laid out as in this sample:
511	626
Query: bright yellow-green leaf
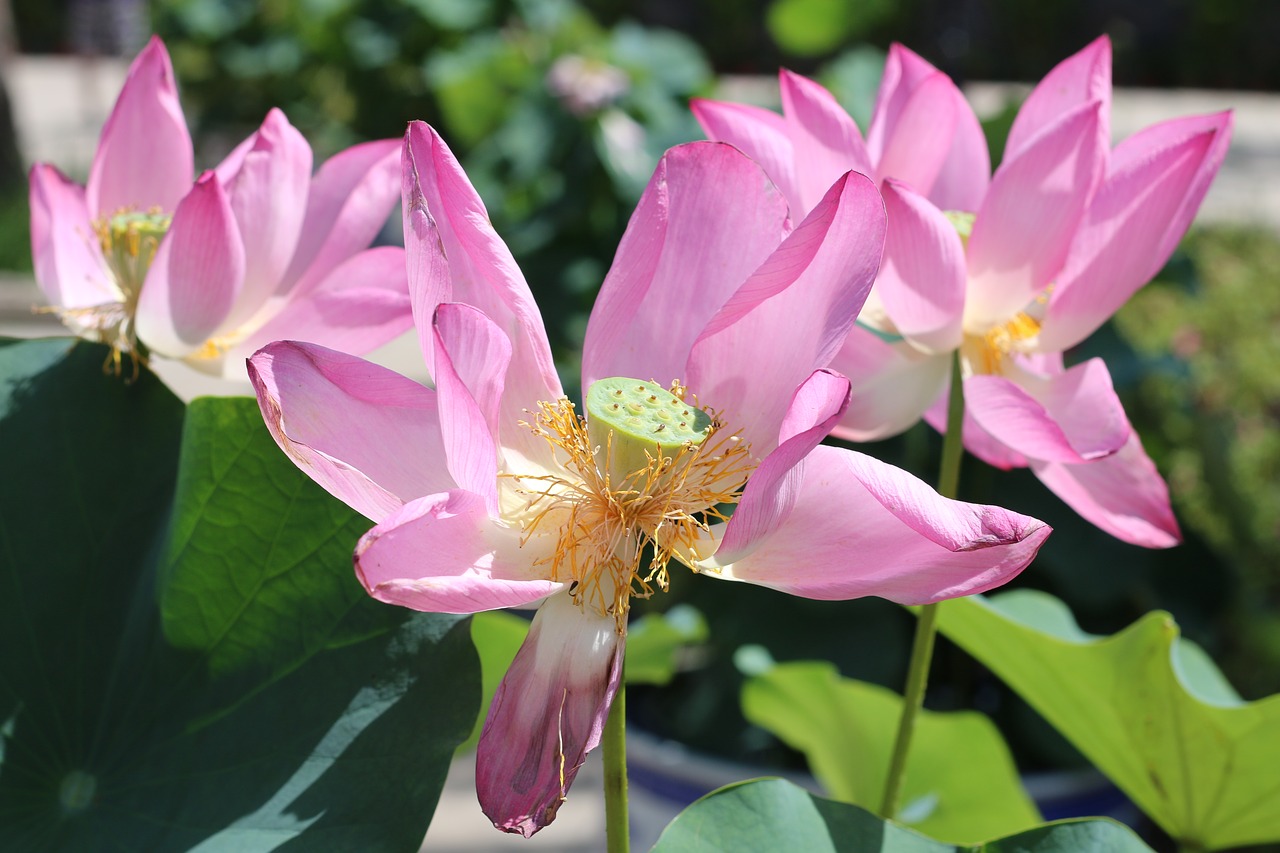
1148	709
961	784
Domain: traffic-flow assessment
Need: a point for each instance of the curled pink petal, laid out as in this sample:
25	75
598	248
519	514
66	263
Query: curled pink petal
444	553
861	527
1082	78
1122	494
196	276
144	157
366	434
548	713
825	139
806	294
68	261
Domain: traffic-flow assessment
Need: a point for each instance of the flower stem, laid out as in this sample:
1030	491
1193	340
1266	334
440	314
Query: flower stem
614	741
927	621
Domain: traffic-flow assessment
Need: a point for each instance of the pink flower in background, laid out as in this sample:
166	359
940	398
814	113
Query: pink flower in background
491	490
208	271
1010	271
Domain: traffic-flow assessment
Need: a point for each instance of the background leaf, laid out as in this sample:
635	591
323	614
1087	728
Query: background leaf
1148	709
772	814
961	783
110	737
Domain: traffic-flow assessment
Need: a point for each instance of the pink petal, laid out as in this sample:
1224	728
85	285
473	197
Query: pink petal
1073	416
471	358
68	261
977	440
759	133
892	385
268	193
361	305
707	220
771	491
197	273
922	279
918	136
548	713
904	71
962	181
366	434
1032	209
144	157
1122	494
825	139
454	255
444	553
1080	79
1157	179
861	527
791	317
351	197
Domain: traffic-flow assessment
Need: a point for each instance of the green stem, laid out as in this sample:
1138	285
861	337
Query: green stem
927	622
614	742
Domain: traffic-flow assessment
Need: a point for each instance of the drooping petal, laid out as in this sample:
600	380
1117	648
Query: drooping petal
68	261
458	243
547	714
1156	181
1122	494
444	553
706	222
922	279
917	135
771	491
759	133
144	157
351	197
471	358
825	139
268	194
197	273
366	434
1081	78
362	304
892	385
977	440
1073	416
861	527
1032	209
791	317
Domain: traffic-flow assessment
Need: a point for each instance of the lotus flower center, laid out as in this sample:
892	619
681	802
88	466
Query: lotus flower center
646	468
987	352
130	239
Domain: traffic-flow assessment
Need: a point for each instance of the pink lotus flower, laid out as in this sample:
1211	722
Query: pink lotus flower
492	491
209	271
1010	271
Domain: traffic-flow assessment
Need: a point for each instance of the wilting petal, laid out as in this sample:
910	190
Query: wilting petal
861	527
892	385
350	199
144	157
1156	181
1080	79
759	133
443	553
196	276
471	361
478	269
68	262
922	279
1036	200
366	434
1122	494
707	220
548	713
825	139
791	317
771	491
362	304
1071	417
266	194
